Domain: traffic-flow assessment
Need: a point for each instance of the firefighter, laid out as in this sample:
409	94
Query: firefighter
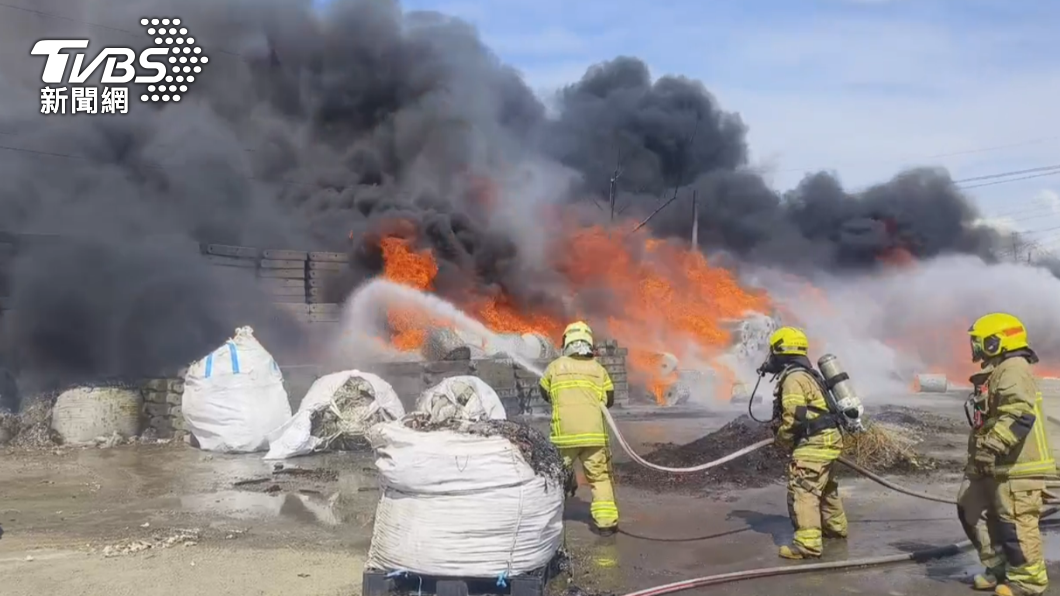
804	426
576	385
1009	461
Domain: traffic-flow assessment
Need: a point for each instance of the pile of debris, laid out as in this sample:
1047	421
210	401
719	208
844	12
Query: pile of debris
284	479
31	428
340	426
157	541
883	448
540	454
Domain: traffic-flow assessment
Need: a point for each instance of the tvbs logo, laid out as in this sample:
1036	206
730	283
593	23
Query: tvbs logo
167	68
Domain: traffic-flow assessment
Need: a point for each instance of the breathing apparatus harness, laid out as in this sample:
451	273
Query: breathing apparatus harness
844	408
976	405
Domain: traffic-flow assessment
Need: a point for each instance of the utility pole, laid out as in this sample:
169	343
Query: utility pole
695	222
611	194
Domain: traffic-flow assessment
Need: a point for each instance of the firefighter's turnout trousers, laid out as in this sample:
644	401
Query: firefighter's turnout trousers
813	494
577	388
596	462
1009	460
1009	544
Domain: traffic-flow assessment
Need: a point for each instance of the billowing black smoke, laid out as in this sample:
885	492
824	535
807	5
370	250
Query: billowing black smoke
310	129
670	135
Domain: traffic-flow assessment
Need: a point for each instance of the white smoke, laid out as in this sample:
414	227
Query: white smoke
929	304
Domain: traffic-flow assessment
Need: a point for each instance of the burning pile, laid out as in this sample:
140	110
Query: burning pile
651	296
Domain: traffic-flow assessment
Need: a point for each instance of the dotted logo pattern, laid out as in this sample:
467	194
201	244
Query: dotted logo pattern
185	58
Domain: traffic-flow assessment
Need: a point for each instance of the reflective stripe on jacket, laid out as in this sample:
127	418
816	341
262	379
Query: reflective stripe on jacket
1014	427
577	387
805	425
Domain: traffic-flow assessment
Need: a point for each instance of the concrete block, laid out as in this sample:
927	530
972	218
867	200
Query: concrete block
611	361
495	373
284	255
448	367
175	386
156	384
156	409
334	257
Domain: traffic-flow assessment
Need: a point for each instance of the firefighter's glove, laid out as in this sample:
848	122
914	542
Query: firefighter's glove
985	461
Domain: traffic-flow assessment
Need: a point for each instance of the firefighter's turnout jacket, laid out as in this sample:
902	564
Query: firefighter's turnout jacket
577	387
806	426
1013	425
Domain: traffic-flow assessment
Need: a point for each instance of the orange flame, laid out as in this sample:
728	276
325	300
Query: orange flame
411	268
663	298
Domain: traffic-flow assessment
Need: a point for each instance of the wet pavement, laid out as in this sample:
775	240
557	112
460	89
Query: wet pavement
281	527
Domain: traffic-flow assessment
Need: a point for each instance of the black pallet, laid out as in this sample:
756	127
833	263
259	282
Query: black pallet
377	582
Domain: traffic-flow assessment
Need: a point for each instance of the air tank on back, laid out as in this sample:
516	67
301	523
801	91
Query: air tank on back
837	381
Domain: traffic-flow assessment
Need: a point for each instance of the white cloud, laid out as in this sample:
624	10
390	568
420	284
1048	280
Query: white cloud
1049	199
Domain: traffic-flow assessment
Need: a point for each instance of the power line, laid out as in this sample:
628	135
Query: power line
1052	229
1052	173
1007	174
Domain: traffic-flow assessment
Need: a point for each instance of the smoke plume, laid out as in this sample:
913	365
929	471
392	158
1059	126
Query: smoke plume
323	129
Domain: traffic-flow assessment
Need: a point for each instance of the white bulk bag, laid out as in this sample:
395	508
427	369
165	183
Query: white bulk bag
294	437
462	397
234	396
455	504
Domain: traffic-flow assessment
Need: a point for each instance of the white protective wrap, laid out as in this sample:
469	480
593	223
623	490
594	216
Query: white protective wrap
234	396
295	437
455	504
462	397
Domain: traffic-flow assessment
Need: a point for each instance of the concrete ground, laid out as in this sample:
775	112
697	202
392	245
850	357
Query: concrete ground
76	519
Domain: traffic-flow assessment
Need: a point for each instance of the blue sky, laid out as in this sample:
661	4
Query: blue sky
860	87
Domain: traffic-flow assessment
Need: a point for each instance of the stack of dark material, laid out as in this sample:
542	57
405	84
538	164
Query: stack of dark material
540	454
759	468
323	271
614	360
282	275
226	255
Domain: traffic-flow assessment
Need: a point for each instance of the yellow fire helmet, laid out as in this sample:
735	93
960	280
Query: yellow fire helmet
578	331
789	341
995	334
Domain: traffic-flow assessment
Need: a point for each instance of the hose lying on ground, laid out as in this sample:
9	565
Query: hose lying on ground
755	446
723	578
713	464
920	556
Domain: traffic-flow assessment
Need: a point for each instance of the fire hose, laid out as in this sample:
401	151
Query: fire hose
948	550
